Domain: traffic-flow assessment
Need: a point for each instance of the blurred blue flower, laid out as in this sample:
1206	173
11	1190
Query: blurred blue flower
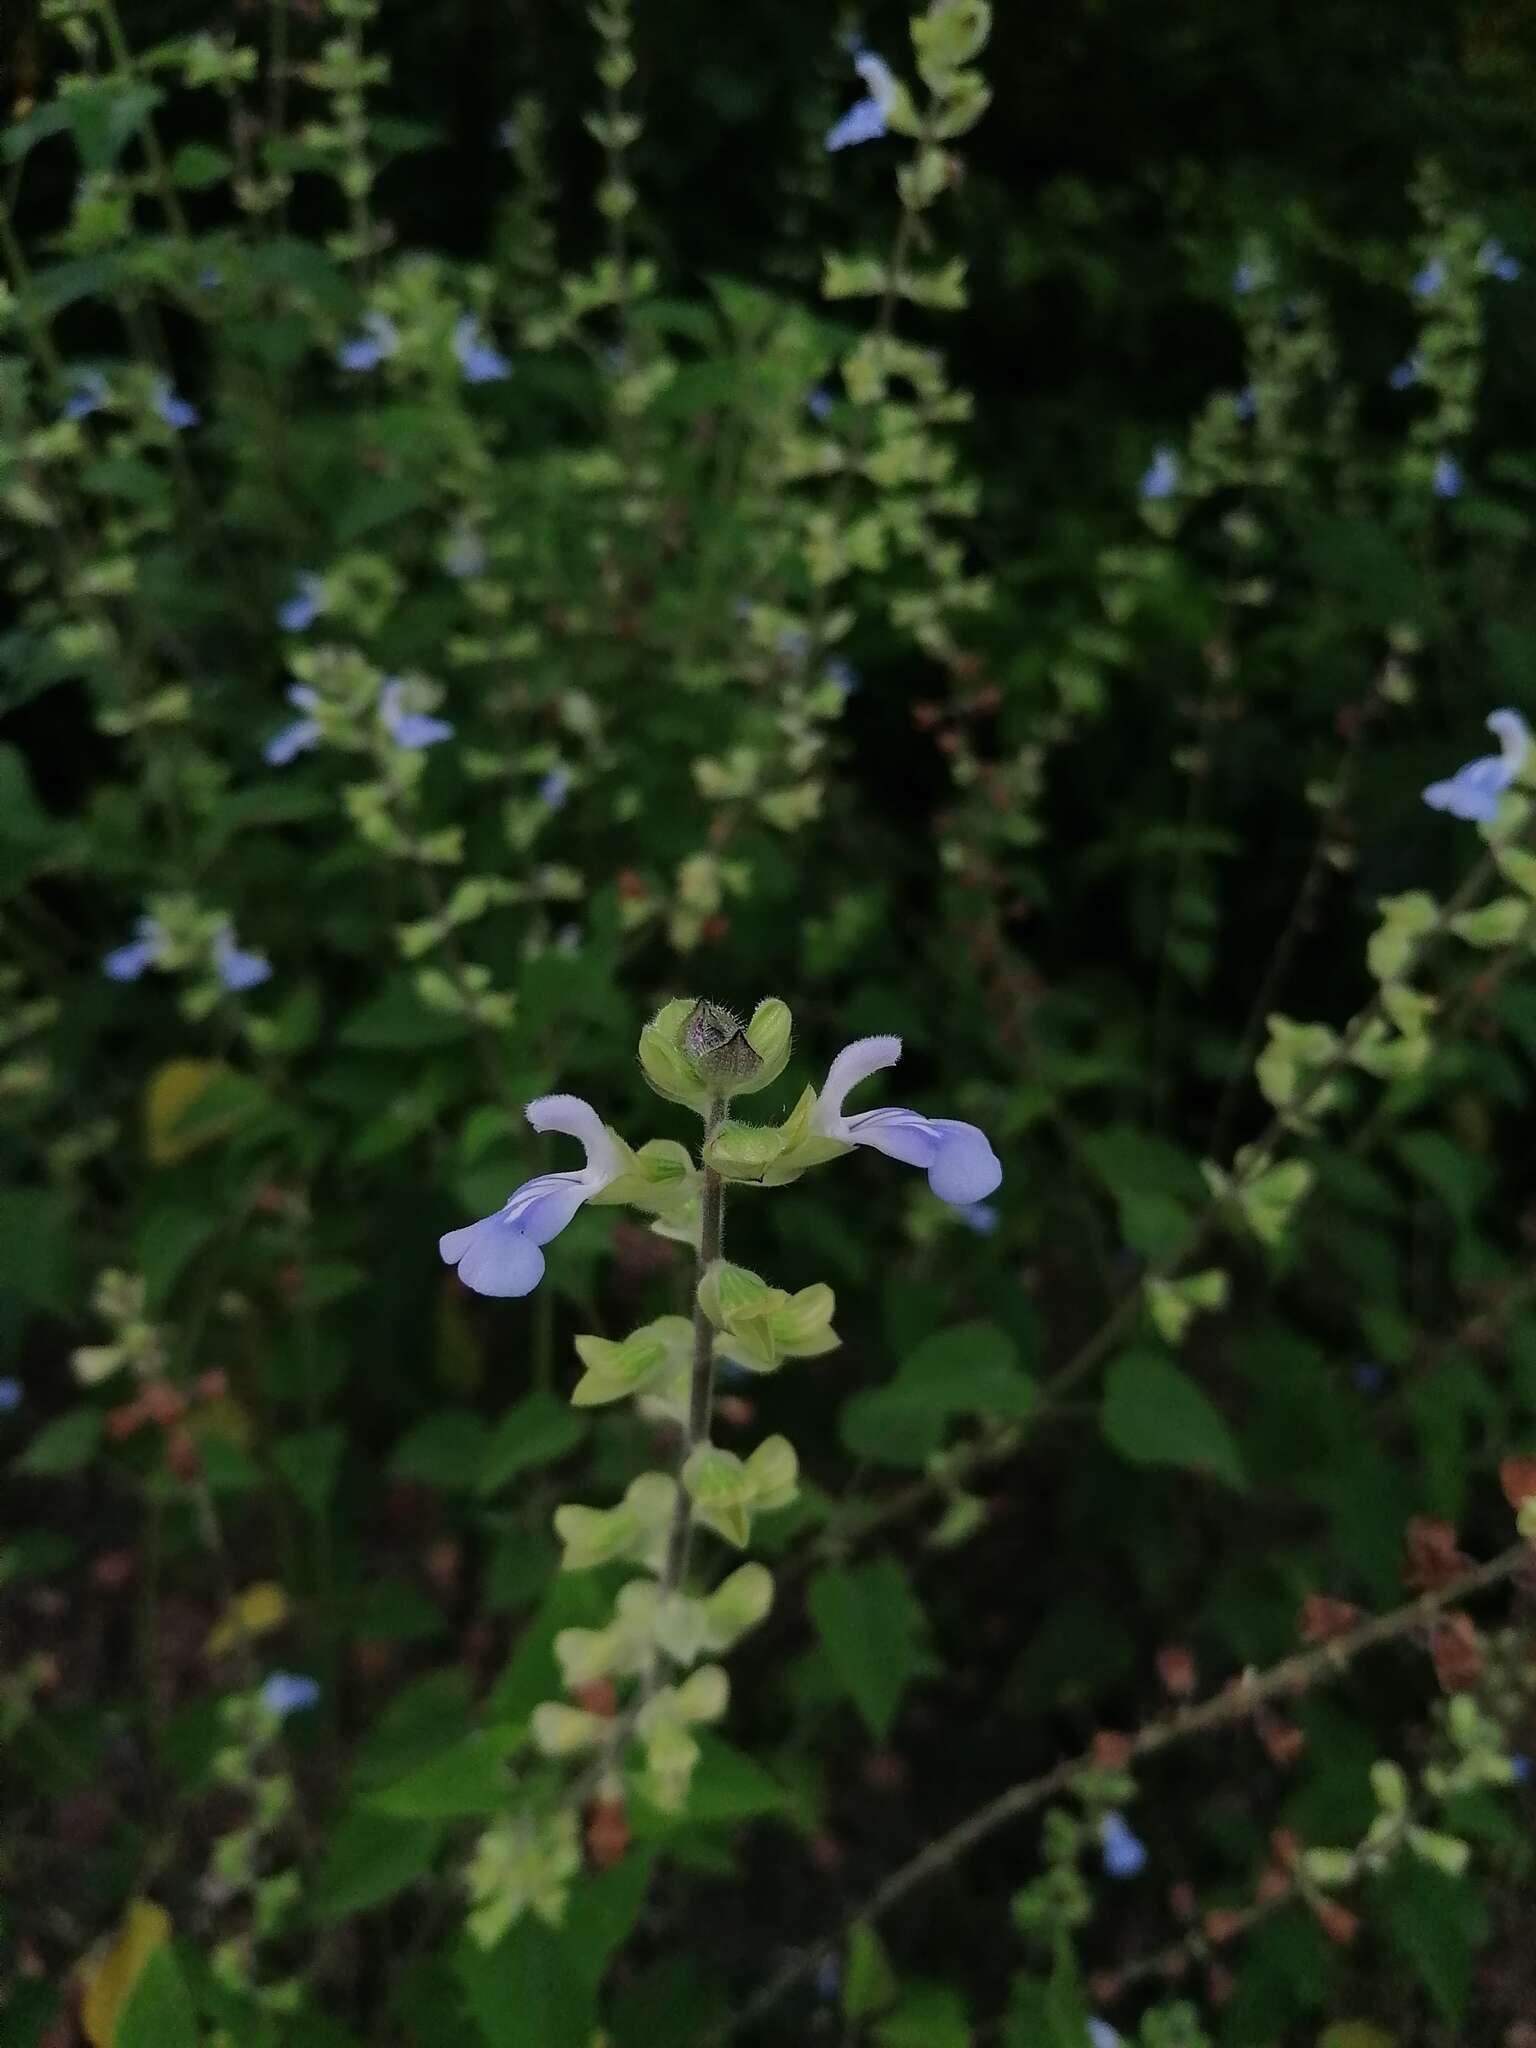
795	643
177	412
12	1394
961	1166
1407	373
208	279
842	675
865	120
555	788
820	402
478	359
410	729
1429	280
1246	278
503	1254
568	939
1473	792
380	338
289	1692
305	605
1162	478
466	555
1496	260
128	962
1447	477
1368	1377
296	738
89	394
237	970
980	1217
1244	404
1102	2035
829	1978
1519	1763
1125	1854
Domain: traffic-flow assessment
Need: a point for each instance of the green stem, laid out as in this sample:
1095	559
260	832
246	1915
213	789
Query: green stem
701	1394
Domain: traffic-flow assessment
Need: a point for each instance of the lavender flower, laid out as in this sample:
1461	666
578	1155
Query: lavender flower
843	676
1429	280
866	119
1162	478
238	971
466	553
289	1692
89	394
1245	279
1407	373
961	1166
1496	260
298	737
379	339
306	604
1102	2035
1447	477
1473	792
12	1394
1519	1764
1125	1854
979	1216
128	962
501	1255
555	788
1244	403
480	362
409	729
177	412
819	403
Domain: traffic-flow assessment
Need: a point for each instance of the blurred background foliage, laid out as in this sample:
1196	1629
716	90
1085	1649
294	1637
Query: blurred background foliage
1057	841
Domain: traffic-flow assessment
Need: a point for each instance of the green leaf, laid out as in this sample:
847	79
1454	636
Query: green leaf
467	1780
36	1266
1449	1170
528	1989
869	1982
1154	1414
970	1370
726	1787
576	1600
169	1238
869	1625
1437	1925
929	2016
445	1450
309	1460
534	1431
104	117
198	164
159	2011
1066	2013
64	1445
371	1858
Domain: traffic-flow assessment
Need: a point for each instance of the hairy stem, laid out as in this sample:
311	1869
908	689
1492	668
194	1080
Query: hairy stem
701	1394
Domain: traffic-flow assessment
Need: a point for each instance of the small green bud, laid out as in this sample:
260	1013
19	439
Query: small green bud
559	1730
704	1695
737	1605
646	1356
1445	1852
774	1471
1389	1786
1329	1867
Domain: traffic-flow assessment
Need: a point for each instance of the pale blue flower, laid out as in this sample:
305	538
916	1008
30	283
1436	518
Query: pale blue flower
177	412
289	1692
1244	403
466	554
980	1217
568	939
410	729
1447	477
843	676
237	970
1102	2035
1496	260
1162	478
866	120
12	1394
1246	278
1125	1854
555	788
306	604
1368	1376
477	358
89	394
1429	280
501	1254
379	339
208	279
1473	792
1407	373
820	402
128	962
1520	1764
961	1166
829	1978
298	737
507	132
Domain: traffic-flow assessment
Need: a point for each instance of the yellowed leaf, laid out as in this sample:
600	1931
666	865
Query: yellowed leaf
255	1612
171	1092
109	1981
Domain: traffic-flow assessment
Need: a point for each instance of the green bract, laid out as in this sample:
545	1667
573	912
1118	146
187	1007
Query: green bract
696	1052
764	1324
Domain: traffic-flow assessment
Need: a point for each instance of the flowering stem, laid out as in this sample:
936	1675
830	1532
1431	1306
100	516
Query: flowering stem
701	1394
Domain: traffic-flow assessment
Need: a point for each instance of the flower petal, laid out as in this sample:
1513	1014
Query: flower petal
853	1064
493	1257
542	1208
574	1118
898	1133
966	1169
